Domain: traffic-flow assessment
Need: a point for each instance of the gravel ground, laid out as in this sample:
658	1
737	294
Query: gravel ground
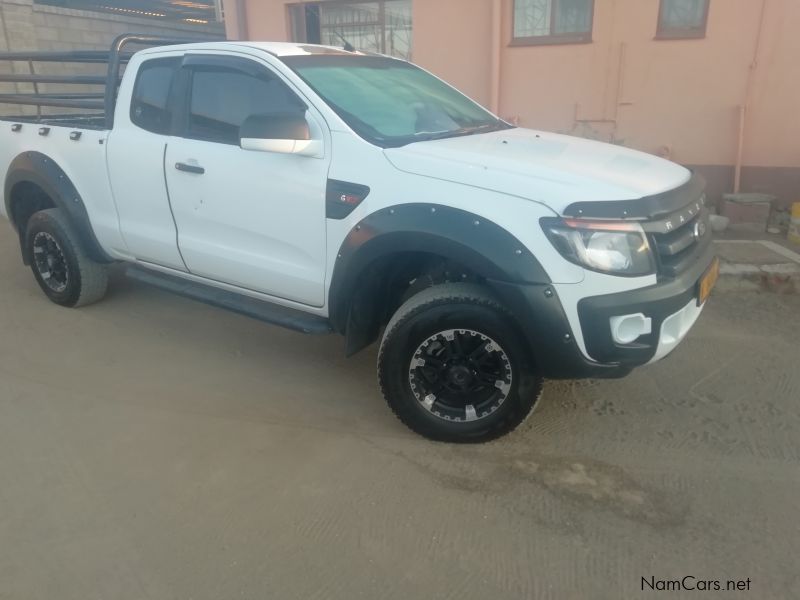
152	447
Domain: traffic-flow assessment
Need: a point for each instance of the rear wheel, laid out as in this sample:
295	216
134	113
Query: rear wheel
59	263
453	368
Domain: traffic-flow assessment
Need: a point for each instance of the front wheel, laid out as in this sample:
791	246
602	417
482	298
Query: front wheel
453	368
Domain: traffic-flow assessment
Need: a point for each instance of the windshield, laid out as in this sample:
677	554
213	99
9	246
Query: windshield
391	102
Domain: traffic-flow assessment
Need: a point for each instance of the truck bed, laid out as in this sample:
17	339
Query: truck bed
77	145
96	122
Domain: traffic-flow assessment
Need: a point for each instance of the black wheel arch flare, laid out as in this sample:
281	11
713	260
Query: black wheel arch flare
486	249
40	170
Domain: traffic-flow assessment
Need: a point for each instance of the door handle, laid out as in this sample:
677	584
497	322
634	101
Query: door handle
197	170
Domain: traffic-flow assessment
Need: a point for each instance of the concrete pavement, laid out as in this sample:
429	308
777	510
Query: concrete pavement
767	262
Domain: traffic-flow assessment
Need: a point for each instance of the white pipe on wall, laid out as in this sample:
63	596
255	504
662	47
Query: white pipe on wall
743	109
497	41
241	20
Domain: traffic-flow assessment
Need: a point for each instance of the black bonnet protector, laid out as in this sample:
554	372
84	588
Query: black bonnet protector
647	208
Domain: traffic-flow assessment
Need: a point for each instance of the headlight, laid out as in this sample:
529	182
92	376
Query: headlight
615	247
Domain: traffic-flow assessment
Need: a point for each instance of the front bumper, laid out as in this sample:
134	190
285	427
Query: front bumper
675	327
670	304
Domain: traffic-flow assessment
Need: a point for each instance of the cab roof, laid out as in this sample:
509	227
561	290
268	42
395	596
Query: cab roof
279	49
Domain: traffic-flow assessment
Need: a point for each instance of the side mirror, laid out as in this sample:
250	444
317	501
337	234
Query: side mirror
281	133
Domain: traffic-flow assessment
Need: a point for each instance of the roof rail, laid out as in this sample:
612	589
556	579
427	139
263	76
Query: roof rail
114	58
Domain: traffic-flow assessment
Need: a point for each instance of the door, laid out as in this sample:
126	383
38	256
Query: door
247	218
136	150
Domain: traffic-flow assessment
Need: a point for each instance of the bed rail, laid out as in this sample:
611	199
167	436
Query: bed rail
103	100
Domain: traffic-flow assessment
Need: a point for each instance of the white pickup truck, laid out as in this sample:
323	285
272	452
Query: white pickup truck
329	190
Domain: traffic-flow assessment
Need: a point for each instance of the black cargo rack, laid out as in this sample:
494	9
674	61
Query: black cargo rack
102	101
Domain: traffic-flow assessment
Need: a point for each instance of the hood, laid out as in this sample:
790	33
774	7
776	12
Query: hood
556	170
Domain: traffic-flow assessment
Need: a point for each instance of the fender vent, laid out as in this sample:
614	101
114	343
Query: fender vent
342	198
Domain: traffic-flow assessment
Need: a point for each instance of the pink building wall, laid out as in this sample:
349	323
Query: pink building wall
678	98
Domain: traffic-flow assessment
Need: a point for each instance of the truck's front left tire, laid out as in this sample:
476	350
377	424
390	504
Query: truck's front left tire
453	367
59	263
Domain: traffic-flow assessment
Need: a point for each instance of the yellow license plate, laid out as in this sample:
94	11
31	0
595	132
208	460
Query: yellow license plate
707	282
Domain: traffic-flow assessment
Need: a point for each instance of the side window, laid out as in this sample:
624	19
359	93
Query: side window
150	108
222	99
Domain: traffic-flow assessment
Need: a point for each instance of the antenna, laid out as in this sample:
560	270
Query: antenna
348	47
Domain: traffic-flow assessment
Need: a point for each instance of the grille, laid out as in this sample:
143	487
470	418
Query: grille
676	249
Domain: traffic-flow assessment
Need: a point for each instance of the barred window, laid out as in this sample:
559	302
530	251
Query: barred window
382	26
553	21
682	18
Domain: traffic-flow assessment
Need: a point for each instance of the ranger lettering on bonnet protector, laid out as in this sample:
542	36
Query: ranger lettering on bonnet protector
329	190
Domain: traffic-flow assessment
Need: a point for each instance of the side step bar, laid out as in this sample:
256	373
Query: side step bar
243	305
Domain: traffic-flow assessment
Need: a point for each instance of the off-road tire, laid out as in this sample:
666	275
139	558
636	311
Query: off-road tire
85	281
462	307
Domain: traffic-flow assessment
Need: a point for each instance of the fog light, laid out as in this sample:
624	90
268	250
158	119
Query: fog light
628	328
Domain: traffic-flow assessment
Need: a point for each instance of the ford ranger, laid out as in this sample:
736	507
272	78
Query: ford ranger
330	190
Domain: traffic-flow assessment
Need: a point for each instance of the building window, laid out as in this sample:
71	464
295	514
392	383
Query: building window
382	26
552	21
682	19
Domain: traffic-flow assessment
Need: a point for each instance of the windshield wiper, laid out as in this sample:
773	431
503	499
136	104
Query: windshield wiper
441	135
